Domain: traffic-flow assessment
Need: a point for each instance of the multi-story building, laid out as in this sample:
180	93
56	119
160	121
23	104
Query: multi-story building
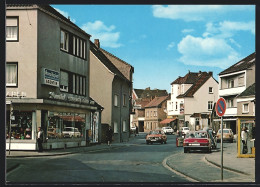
191	94
246	118
155	112
233	81
47	79
110	88
141	97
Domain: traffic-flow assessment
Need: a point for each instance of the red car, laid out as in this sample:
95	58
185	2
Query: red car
197	140
156	136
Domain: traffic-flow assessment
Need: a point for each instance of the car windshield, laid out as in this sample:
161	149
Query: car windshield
167	127
198	135
224	131
155	132
186	128
68	129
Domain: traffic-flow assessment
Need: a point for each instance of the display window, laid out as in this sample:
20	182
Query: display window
247	136
21	125
65	125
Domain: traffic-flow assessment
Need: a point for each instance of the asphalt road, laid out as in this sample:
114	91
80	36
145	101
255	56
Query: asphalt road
136	162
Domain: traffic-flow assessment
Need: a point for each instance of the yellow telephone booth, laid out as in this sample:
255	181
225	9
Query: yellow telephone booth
246	149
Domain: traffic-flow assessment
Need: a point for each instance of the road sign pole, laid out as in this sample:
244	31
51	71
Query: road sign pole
221	148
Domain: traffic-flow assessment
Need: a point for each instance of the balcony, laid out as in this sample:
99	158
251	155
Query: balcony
231	91
231	112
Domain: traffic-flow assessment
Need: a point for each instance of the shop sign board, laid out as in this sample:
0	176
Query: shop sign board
50	77
221	107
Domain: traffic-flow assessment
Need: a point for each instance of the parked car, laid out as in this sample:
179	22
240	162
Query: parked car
167	130
156	136
197	140
227	135
70	132
185	130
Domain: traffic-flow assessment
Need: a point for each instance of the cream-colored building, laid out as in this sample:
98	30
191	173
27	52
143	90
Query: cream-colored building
47	80
110	88
193	93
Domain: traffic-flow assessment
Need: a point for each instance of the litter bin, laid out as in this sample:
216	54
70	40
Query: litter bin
179	141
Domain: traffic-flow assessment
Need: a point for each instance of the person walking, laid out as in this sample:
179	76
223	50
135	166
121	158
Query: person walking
109	135
136	130
244	139
40	139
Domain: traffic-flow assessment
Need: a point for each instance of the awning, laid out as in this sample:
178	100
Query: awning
167	120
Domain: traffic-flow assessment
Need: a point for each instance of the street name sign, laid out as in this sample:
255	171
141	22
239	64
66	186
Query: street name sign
221	107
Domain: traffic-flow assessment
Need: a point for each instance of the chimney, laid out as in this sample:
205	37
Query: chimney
68	17
147	88
96	41
210	73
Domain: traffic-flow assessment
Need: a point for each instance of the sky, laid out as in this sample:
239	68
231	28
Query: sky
163	42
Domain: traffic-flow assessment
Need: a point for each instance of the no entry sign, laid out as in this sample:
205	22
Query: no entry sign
221	107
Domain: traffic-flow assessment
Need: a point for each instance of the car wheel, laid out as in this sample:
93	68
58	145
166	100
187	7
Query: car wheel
185	150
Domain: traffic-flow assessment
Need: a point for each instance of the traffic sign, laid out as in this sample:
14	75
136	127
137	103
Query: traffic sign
221	107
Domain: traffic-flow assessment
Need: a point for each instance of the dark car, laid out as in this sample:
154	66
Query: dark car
197	140
156	136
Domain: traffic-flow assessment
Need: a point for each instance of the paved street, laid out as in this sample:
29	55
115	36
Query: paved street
132	161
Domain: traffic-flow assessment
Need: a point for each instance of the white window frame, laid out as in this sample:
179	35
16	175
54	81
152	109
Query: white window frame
115	127
124	126
13	36
244	109
115	100
231	83
210	105
64	40
15	78
64	87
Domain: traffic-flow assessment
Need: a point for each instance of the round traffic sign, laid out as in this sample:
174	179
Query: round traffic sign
221	107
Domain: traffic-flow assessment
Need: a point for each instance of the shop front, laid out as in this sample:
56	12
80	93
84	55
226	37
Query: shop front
64	124
246	148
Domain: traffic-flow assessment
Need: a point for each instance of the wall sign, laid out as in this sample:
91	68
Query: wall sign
50	77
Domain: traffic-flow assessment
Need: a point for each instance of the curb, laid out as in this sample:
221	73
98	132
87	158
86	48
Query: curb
12	168
227	168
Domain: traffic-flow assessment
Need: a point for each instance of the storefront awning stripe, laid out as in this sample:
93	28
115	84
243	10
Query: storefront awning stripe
168	120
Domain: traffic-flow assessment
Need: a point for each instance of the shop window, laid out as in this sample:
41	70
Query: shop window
64	41
21	125
12	29
247	129
11	74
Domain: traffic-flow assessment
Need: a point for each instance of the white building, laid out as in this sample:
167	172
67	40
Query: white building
193	93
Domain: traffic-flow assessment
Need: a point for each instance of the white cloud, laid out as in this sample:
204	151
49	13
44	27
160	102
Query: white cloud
187	30
65	14
106	34
194	12
234	42
171	45
212	52
227	29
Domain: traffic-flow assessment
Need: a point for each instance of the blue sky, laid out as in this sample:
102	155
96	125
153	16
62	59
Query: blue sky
163	42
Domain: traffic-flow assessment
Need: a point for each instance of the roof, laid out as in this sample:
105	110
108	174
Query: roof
47	9
250	91
143	103
167	120
99	54
199	81
241	65
189	78
157	101
145	93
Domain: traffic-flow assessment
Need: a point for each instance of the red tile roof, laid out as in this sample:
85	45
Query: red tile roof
157	101
167	120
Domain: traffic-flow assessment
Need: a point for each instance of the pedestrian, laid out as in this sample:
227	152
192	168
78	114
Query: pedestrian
109	135
40	139
136	130
244	139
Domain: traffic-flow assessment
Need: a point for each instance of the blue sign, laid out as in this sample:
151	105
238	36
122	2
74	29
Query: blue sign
221	107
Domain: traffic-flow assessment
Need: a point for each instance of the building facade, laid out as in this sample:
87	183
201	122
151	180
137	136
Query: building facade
47	80
110	88
232	82
191	94
141	97
155	112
